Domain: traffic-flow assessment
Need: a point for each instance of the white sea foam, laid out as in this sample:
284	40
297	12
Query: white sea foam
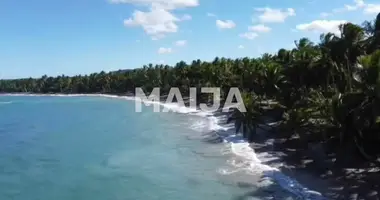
250	162
246	158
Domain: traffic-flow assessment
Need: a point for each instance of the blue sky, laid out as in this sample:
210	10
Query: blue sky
82	36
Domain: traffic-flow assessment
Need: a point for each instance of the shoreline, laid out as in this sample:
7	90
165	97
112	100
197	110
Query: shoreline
302	185
309	177
163	103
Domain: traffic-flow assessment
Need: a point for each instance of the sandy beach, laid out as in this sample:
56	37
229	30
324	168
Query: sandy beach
313	170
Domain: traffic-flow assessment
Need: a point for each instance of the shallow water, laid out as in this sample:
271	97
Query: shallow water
98	148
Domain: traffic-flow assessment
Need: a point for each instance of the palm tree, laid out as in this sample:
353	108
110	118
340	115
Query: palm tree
272	78
372	29
247	121
356	113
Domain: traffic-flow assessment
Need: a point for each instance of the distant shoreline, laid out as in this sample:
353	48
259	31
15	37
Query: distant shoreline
162	98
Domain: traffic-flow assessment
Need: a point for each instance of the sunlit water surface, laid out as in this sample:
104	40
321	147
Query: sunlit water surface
98	148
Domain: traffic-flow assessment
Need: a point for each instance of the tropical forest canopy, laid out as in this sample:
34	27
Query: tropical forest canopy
326	92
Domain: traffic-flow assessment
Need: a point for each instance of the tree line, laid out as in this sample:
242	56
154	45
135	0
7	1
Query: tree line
326	92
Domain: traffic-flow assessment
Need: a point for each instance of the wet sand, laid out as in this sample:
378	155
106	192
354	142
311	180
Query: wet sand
303	165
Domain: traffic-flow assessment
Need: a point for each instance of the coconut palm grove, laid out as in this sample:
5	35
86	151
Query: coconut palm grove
326	92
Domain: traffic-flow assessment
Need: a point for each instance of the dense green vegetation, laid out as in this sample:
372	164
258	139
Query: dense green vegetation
325	92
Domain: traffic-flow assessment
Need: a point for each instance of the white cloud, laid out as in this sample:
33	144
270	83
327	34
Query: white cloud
163	50
322	26
359	4
211	15
344	9
270	15
164	4
350	8
161	61
241	47
372	9
252	31
249	35
159	19
156	22
181	43
261	28
186	17
228	24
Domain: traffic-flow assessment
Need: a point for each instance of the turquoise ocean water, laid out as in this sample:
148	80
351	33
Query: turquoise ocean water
99	148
